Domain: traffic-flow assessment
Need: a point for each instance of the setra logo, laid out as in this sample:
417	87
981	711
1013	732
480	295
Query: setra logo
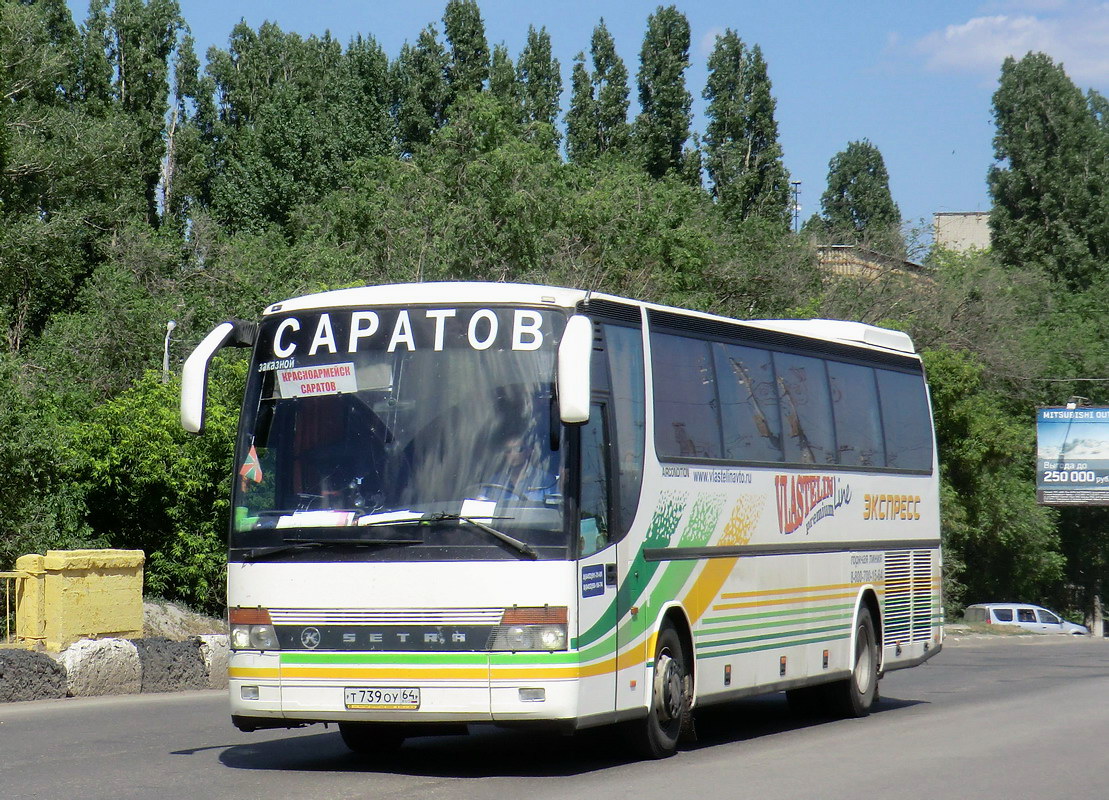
310	638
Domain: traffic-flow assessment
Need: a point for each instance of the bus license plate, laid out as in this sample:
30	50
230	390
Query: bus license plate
371	697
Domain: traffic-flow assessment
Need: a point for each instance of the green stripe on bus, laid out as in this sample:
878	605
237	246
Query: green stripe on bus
768	646
768	614
843	630
700	634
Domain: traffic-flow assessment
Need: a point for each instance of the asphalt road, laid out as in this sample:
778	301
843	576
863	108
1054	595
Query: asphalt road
991	718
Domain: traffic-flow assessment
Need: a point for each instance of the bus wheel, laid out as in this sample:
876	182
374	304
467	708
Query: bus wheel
854	696
371	739
669	714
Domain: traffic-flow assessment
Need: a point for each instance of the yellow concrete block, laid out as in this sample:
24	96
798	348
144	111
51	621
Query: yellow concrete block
30	599
81	594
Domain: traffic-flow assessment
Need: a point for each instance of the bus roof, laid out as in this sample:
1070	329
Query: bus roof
464	292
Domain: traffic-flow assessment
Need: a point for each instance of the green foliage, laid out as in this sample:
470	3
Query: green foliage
145	35
502	77
1048	189
152	486
294	114
289	165
597	122
744	158
468	66
581	145
540	81
1008	545
662	127
857	205
39	508
420	91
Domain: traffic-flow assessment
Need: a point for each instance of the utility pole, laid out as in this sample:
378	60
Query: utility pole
795	190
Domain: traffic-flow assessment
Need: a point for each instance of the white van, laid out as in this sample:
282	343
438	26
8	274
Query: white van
1028	617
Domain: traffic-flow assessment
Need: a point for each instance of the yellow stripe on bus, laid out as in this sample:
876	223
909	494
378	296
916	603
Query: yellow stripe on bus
782	601
253	672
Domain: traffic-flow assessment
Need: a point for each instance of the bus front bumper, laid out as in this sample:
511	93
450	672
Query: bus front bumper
278	690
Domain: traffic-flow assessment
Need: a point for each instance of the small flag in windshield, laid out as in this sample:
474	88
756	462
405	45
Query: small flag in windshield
251	469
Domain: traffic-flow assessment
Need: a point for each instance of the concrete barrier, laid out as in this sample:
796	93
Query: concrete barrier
114	666
25	675
101	666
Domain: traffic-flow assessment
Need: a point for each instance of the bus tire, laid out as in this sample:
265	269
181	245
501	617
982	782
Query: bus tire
371	739
671	690
855	696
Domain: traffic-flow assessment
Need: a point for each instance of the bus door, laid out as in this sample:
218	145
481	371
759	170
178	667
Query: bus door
611	458
597	605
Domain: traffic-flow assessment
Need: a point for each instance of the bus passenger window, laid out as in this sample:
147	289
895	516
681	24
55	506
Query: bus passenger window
687	419
855	407
593	528
807	430
905	420
748	403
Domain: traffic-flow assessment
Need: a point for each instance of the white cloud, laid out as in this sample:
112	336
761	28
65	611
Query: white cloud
1076	34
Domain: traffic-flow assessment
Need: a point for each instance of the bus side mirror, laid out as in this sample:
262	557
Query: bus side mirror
194	375
573	369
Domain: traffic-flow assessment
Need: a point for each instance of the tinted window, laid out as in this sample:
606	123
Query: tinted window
748	404
855	408
905	419
1003	614
687	422
625	363
1048	617
806	410
1025	615
593	527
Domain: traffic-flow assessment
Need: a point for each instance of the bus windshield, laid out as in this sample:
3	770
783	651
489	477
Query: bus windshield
420	428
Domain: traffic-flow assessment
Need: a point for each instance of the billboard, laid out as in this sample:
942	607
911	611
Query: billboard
1072	456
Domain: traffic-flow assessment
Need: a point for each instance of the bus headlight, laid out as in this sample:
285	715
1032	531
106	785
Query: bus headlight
531	629
553	637
254	637
252	629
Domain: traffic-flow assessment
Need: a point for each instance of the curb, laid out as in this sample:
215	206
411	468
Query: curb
93	667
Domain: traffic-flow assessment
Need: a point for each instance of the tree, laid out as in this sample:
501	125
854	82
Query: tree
149	485
540	81
610	79
1007	543
420	90
502	77
468	66
662	127
69	176
294	114
144	36
743	156
857	205
581	145
597	122
1048	187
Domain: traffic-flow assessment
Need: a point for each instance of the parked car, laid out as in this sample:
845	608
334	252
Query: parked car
1021	615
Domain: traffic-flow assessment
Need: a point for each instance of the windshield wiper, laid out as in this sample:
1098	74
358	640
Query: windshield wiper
512	541
256	553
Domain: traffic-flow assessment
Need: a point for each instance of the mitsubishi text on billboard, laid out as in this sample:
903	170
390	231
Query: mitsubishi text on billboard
1072	456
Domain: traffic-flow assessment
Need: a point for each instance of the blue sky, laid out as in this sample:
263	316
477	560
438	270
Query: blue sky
914	78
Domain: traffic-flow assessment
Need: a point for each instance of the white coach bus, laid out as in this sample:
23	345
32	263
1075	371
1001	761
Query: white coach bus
461	503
